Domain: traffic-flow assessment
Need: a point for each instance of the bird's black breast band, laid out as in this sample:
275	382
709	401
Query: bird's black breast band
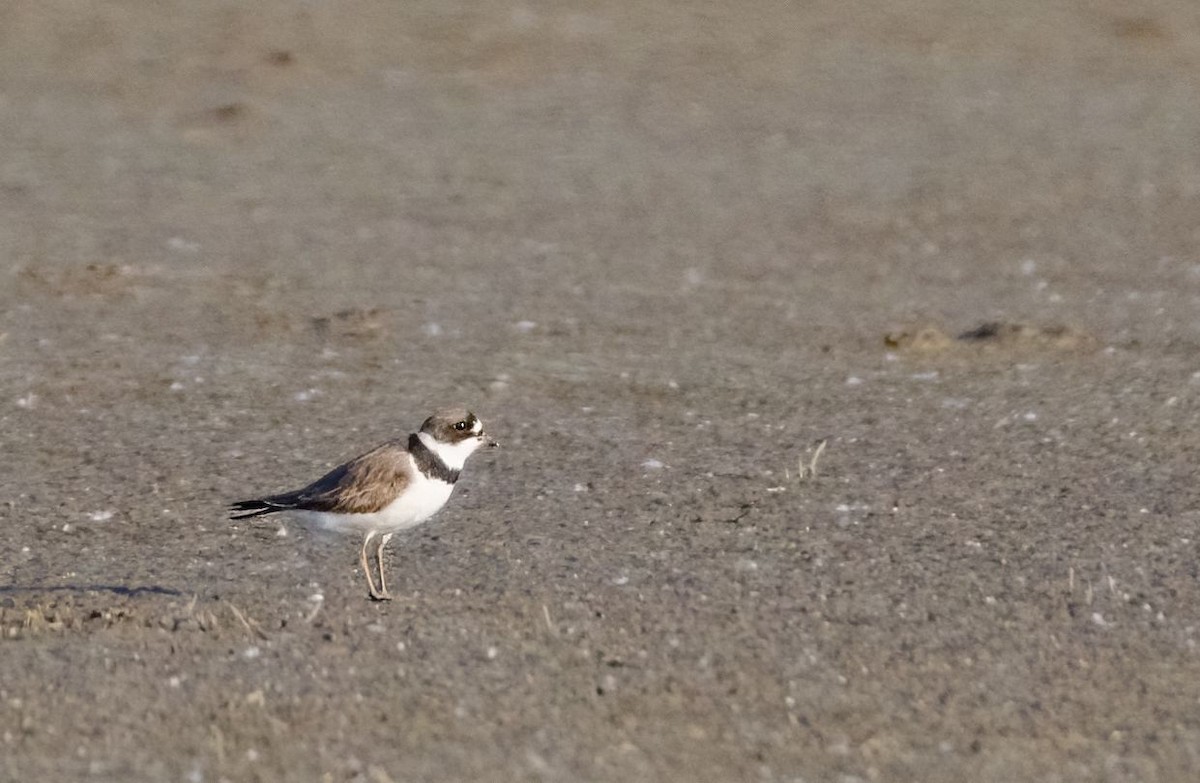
429	463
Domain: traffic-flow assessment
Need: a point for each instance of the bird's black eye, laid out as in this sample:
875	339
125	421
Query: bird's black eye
460	425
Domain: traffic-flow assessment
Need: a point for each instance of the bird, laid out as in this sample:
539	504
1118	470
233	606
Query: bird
395	486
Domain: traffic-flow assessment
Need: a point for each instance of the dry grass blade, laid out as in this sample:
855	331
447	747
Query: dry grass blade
810	470
250	625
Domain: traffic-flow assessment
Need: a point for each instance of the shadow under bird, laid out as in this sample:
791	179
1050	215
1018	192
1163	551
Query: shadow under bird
394	486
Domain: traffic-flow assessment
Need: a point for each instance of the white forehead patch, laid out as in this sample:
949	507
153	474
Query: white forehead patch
477	427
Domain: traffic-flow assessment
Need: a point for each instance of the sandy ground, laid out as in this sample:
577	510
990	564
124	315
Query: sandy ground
663	249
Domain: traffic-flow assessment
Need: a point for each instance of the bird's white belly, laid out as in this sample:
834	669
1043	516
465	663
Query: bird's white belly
422	499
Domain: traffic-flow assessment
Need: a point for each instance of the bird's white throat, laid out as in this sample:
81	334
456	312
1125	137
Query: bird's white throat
454	455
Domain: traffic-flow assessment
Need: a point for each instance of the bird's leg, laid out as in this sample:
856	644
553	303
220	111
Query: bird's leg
383	591
375	594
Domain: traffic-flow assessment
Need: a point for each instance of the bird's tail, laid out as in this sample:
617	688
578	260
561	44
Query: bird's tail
244	509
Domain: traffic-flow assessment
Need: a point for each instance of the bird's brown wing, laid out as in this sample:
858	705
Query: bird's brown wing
363	485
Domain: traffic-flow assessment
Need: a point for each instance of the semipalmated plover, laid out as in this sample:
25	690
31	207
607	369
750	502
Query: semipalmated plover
394	486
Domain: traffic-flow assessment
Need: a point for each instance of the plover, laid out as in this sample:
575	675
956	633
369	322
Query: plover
394	486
